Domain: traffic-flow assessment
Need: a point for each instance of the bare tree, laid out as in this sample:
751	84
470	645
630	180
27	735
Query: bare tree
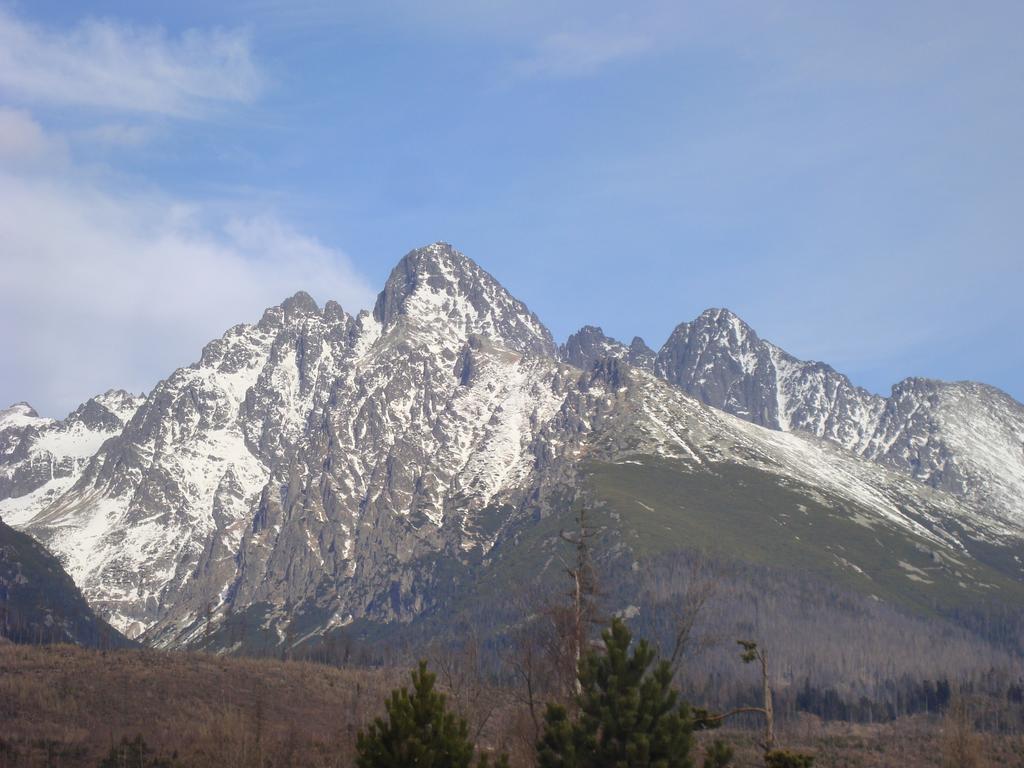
528	663
584	585
700	588
751	653
541	661
550	638
460	670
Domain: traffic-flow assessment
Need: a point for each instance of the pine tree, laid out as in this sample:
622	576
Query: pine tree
629	715
419	731
717	755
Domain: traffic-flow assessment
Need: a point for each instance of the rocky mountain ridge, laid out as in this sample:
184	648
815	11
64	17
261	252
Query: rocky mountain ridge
963	437
316	469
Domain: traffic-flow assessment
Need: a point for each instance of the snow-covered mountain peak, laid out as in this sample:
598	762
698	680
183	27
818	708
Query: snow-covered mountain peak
721	327
641	355
95	415
438	287
23	408
720	316
719	358
299	305
20	415
589	345
926	387
107	413
41	458
333	312
718	351
964	437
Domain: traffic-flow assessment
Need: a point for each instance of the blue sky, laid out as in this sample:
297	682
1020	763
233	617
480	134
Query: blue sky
848	177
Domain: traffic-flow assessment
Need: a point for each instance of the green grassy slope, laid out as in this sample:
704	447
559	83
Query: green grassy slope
743	513
657	506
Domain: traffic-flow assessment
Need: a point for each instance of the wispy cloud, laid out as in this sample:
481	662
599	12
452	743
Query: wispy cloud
107	64
116	134
24	143
567	39
579	54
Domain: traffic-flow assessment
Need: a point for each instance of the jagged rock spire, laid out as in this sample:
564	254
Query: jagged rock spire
436	283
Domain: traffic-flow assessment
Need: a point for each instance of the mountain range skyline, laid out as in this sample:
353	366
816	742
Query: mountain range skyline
567	338
169	171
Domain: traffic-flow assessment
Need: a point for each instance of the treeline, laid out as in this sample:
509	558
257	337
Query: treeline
999	702
835	654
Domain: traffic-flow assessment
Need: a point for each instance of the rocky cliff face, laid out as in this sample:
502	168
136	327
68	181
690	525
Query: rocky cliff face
721	360
590	345
177	487
317	468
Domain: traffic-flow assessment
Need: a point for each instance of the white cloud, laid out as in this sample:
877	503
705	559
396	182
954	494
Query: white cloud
116	66
100	290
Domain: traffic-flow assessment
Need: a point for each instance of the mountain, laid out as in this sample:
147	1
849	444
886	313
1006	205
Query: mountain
39	603
317	470
963	437
253	474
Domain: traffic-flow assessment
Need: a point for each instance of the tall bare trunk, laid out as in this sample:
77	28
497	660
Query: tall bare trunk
769	711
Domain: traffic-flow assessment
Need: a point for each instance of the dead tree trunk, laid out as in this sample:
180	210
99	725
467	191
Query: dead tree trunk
584	590
752	653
